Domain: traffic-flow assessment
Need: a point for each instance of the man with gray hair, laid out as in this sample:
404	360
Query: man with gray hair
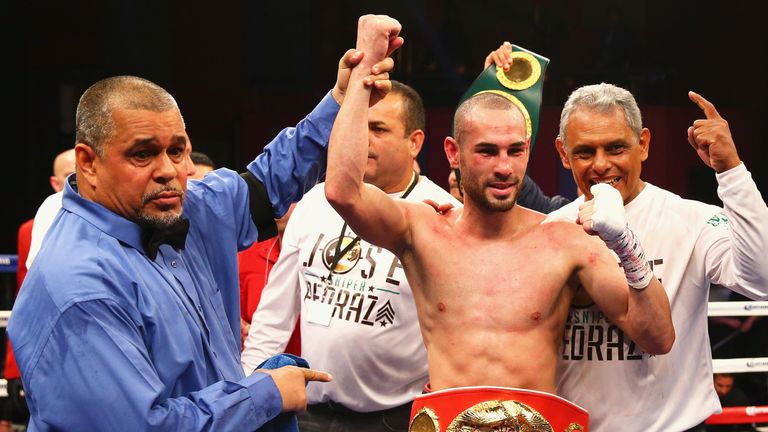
129	319
690	246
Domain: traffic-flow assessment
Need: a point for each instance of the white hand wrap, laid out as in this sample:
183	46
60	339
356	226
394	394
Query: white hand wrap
608	217
609	220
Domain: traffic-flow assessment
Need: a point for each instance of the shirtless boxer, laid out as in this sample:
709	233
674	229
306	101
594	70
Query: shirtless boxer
492	282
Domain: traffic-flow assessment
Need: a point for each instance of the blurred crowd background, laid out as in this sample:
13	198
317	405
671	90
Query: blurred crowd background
241	70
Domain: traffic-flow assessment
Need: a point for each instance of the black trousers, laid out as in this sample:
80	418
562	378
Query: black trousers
331	417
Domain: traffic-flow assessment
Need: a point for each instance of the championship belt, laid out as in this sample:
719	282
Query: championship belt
469	409
522	84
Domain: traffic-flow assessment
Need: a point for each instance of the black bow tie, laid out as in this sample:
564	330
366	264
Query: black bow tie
175	235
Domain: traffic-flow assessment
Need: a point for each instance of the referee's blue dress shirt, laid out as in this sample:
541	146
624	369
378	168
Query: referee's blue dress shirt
109	340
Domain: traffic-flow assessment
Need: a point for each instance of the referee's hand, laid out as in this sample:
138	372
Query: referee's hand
291	382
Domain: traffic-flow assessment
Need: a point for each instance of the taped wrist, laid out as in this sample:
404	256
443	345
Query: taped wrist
632	257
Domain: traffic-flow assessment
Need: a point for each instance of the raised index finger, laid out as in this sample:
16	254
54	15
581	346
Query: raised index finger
709	110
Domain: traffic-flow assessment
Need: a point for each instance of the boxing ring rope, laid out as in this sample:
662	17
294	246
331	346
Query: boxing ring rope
730	415
742	414
8	264
743	308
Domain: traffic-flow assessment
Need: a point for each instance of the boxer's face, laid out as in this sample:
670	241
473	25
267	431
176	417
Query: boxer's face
493	157
143	173
600	147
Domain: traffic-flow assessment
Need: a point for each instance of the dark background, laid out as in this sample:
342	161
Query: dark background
242	70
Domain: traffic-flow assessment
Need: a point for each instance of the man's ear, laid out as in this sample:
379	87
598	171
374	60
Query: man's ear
416	141
645	144
85	159
563	154
451	151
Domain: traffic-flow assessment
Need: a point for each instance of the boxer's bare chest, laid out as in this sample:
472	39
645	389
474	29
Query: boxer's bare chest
508	282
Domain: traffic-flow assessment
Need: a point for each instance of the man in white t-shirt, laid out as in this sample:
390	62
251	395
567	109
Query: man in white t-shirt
689	244
358	319
63	166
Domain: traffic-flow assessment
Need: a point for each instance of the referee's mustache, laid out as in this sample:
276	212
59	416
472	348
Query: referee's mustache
167	191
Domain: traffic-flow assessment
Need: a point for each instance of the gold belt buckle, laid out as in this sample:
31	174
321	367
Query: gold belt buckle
494	413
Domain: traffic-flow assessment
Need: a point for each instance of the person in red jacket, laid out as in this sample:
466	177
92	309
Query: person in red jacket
255	263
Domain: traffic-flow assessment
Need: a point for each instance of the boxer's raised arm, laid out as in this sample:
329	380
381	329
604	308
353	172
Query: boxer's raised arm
371	213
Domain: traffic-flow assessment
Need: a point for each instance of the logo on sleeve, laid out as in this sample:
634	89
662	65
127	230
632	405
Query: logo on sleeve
718	219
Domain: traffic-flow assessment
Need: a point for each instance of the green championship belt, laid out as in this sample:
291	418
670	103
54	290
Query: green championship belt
522	84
